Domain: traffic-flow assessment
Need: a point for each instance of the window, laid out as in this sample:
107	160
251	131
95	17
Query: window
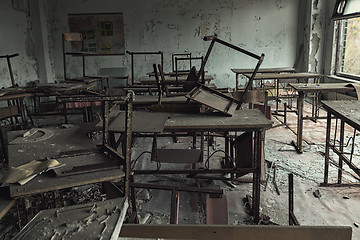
347	16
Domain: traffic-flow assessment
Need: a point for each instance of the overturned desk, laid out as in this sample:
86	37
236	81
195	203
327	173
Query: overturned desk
250	120
303	89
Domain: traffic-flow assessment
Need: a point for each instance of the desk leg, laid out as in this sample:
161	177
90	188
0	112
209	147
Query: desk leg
299	139
22	112
277	95
342	131
256	176
237	82
327	148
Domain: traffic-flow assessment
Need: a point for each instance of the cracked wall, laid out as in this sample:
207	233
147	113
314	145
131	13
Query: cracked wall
16	37
179	26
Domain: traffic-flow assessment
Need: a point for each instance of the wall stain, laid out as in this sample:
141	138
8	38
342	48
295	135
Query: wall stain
278	4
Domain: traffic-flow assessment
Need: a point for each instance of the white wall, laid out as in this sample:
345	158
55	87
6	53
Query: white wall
260	26
16	37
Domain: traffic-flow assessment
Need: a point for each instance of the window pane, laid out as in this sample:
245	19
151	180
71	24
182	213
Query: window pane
351	47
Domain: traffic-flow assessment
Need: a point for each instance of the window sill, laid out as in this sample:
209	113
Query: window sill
343	79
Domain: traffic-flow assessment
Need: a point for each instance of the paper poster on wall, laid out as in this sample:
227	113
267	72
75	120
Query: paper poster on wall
103	33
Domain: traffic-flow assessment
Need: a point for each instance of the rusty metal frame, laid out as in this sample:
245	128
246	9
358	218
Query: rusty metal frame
214	39
8	57
175	197
132	54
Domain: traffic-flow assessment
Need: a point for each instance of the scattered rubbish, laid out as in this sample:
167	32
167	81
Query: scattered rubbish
317	194
356	225
346	197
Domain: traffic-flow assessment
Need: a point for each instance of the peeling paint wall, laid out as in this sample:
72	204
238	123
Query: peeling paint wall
260	26
16	37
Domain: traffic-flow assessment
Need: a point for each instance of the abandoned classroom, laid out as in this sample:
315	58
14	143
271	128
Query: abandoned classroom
196	119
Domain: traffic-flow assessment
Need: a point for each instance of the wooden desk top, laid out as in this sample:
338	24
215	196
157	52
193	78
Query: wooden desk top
153	99
242	120
60	88
57	141
262	70
171	80
262	76
347	110
322	87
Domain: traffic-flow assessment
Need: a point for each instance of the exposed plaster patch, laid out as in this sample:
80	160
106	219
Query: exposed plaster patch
315	17
173	26
209	25
315	44
21	5
315	4
150	26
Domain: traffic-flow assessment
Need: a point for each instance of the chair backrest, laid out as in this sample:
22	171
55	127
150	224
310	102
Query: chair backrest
72	37
158	84
254	96
163	85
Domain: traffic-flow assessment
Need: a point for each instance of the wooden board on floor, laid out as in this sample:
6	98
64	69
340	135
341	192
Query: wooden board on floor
236	232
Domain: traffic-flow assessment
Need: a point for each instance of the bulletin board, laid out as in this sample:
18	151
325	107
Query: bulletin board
103	33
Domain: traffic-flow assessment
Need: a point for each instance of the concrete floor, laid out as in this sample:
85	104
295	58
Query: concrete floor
337	206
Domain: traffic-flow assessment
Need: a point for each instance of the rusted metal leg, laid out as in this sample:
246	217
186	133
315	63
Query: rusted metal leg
292	217
202	147
342	131
298	144
277	96
227	148
174	212
65	114
327	148
285	112
128	131
256	176
133	202
105	122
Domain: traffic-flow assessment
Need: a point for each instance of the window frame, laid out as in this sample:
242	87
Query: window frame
339	30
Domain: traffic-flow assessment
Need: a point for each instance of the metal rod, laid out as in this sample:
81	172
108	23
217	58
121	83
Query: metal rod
342	133
174	211
327	148
128	130
196	171
177	188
